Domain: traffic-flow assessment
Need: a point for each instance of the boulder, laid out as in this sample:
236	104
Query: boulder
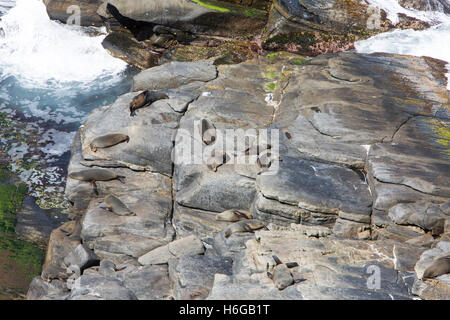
193	276
81	257
88	287
215	18
62	10
185	246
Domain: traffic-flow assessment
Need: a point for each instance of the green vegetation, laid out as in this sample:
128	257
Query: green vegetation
20	258
298	61
211	6
270	86
11	198
442	134
24	254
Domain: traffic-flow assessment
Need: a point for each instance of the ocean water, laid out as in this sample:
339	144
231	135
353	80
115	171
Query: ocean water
51	76
433	42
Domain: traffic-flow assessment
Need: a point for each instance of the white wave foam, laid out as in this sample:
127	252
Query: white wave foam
40	52
433	42
393	8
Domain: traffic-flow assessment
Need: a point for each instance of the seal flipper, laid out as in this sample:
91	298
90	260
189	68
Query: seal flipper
121	179
291	265
276	259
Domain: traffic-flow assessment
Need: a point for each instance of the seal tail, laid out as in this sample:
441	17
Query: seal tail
121	178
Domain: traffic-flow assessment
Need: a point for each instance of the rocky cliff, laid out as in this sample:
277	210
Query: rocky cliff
346	197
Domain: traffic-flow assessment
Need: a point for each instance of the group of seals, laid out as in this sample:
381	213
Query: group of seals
145	98
93	175
115	205
108	140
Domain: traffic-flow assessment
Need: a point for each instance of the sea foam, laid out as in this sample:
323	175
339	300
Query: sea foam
41	52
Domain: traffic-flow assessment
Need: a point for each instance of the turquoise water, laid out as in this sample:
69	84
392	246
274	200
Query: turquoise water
51	76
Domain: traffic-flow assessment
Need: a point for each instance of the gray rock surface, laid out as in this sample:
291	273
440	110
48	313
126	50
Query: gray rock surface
193	276
185	246
356	192
81	258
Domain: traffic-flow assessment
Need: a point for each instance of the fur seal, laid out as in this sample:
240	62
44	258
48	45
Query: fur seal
243	226
216	160
234	215
93	175
116	206
438	267
207	131
108	140
75	234
144	99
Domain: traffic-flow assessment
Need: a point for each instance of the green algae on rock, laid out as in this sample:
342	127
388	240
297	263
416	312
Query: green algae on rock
20	260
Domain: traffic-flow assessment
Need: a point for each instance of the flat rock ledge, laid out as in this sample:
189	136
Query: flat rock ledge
348	193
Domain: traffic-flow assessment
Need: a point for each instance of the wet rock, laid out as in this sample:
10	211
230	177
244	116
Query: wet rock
36	224
122	44
426	5
64	10
185	246
223	18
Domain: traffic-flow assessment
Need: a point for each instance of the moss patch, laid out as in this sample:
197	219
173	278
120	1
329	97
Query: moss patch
25	255
20	260
441	132
11	198
229	52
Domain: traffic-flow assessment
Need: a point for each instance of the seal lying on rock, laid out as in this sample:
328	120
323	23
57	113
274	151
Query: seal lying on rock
108	140
243	226
207	131
116	206
234	215
144	99
438	267
93	175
